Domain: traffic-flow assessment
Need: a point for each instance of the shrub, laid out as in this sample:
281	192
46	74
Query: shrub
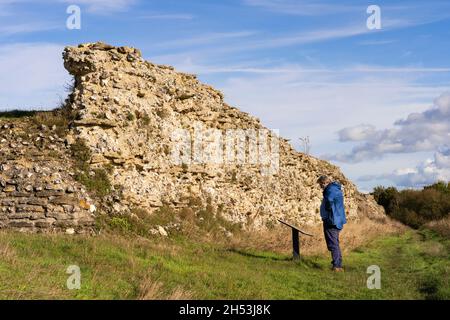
387	197
440	186
415	207
121	223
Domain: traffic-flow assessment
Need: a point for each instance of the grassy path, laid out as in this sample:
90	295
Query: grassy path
415	265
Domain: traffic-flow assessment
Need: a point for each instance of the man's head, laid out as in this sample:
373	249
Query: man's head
324	181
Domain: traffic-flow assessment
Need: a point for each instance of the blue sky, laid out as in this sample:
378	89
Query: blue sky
374	102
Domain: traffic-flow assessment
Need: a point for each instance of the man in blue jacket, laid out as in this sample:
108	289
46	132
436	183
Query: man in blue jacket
332	212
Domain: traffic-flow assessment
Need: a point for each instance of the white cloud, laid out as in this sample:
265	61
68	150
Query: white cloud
255	40
318	104
103	6
304	37
301	7
168	16
376	42
92	6
205	38
30	27
420	131
426	173
373	69
246	67
356	133
32	75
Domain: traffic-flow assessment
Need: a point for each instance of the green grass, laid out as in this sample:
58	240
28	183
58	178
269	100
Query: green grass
414	265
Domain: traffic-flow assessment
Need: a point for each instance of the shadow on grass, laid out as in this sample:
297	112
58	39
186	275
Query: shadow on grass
258	256
300	262
310	264
14	114
429	287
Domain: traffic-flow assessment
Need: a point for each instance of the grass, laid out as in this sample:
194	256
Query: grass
17	114
414	265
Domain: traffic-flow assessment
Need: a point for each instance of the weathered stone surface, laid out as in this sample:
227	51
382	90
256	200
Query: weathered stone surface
44	223
35	187
47	194
64	200
29	208
130	111
20	224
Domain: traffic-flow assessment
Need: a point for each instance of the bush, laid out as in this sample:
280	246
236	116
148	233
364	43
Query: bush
120	223
387	197
415	207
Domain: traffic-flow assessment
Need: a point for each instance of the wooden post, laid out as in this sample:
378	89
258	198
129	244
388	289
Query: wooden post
295	244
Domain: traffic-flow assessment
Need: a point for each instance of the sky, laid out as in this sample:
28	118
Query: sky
374	99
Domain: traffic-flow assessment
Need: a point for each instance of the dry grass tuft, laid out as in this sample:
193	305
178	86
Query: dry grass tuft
154	290
440	226
7	253
434	249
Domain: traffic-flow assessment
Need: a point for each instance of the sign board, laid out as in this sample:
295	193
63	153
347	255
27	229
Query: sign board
294	227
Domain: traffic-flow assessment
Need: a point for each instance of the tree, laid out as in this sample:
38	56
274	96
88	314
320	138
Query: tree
387	197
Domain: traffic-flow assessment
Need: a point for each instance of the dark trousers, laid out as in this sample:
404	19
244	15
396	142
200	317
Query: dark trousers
332	240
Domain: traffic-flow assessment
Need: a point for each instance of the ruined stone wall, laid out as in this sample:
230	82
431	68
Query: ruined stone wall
127	112
131	114
37	189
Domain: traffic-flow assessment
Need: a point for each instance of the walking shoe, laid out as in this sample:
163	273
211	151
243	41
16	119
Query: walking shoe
335	269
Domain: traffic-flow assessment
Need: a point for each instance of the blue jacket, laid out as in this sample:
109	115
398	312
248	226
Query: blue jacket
332	208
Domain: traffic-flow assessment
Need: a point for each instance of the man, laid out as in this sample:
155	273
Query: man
332	212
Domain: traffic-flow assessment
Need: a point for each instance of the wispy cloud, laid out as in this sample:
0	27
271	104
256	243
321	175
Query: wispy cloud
206	38
251	40
30	27
302	7
356	133
395	14
302	70
313	36
424	131
92	6
32	75
103	6
425	173
281	40
167	16
376	42
380	69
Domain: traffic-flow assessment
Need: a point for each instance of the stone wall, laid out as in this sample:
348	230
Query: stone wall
37	189
127	112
